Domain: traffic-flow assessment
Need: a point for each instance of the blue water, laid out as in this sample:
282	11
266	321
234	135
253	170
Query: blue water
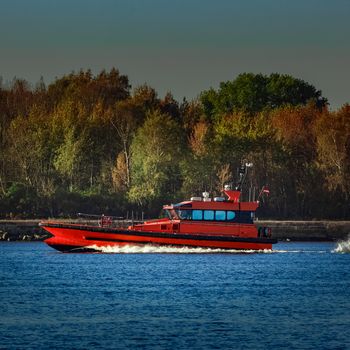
295	298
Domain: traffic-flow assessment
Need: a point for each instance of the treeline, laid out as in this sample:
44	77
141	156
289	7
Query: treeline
90	143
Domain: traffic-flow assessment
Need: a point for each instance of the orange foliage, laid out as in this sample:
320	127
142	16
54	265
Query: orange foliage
198	138
295	128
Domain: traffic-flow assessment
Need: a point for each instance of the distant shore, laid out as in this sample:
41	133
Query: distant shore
293	230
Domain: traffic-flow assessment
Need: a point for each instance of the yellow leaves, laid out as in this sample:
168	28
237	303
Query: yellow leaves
120	173
224	176
198	140
333	148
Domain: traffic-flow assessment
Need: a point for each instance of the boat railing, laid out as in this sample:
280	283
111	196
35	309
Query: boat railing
105	220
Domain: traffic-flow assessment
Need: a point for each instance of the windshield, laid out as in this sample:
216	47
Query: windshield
184	214
171	214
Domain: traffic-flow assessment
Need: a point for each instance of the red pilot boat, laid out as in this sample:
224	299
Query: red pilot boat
219	223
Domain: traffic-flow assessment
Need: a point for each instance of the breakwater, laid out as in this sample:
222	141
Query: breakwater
21	230
320	230
323	230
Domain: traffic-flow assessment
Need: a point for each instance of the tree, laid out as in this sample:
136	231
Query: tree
198	167
251	93
28	149
156	151
86	142
333	149
294	127
241	138
125	117
86	89
68	157
191	113
170	106
146	97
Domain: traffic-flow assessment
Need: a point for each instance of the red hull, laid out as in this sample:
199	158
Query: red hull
72	238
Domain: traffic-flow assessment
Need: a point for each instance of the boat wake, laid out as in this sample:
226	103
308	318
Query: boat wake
153	249
342	247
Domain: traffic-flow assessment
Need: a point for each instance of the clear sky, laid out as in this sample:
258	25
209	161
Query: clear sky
182	46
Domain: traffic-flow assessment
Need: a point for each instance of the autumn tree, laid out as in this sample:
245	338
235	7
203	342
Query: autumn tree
85	88
191	114
146	97
240	138
295	134
198	165
333	151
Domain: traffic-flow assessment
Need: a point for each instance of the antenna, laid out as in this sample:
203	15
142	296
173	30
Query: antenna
242	174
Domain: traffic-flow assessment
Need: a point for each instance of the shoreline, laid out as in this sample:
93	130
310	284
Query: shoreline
283	230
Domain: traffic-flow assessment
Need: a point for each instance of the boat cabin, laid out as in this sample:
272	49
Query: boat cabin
218	215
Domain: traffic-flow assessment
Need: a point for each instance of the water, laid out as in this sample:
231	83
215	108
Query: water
296	297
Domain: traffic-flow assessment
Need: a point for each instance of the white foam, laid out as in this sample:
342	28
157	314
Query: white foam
342	247
152	249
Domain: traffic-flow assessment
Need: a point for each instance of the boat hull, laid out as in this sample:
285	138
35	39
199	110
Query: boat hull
81	238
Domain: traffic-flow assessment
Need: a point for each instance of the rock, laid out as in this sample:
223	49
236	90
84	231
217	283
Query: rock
5	236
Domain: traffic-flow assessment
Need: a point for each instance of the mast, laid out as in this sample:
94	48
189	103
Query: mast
243	170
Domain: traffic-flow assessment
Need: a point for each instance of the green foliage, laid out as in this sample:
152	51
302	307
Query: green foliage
156	152
20	199
67	158
251	93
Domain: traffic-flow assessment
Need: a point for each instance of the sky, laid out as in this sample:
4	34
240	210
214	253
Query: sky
181	46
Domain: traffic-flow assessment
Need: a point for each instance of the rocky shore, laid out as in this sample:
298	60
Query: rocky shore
29	230
21	230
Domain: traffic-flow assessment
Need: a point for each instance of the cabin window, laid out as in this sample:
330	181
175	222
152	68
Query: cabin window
197	215
208	214
184	214
231	215
220	215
